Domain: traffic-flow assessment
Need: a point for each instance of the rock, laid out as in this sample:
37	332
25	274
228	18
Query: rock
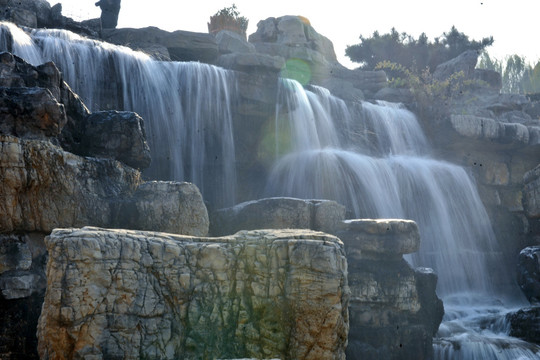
294	39
487	129
525	324
181	45
30	113
531	193
252	63
395	95
232	42
173	207
394	311
15	72
31	13
45	187
379	238
259	294
529	273
465	62
293	31
117	135
278	213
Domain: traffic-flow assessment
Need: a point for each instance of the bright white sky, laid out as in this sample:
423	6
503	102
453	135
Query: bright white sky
513	23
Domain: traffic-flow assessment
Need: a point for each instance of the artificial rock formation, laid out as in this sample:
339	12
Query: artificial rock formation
529	273
128	294
394	311
278	213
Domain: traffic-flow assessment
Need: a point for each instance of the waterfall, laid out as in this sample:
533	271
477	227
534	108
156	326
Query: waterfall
186	106
391	174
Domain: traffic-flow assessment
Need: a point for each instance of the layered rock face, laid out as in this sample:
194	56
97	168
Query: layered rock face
127	294
495	136
394	311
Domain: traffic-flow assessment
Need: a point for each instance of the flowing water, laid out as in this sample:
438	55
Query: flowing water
186	106
387	172
374	159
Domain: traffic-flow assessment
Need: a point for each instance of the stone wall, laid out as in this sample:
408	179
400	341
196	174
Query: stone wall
131	295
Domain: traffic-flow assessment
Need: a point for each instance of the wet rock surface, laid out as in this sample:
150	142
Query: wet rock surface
529	273
262	294
525	324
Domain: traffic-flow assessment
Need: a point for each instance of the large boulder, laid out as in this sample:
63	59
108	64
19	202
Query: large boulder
529	273
30	112
166	206
379	238
118	135
278	213
465	62
259	294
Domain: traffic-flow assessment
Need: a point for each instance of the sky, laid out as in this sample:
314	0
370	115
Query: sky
512	23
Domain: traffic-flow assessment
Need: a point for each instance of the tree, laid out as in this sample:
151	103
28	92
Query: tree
513	75
404	49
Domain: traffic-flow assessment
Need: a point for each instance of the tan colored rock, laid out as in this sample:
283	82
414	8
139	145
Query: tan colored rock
257	294
44	187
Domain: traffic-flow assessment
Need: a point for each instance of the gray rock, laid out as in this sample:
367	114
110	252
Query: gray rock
465	62
15	72
232	42
488	129
531	193
379	238
278	213
30	113
525	324
529	273
117	135
32	13
17	286
14	254
258	294
395	95
175	207
181	45
252	62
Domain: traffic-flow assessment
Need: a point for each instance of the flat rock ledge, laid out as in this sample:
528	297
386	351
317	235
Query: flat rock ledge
379	238
132	294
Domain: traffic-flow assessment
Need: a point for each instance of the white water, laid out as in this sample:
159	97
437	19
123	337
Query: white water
391	175
386	172
186	106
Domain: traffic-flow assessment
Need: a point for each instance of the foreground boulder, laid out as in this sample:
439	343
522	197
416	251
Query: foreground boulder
259	294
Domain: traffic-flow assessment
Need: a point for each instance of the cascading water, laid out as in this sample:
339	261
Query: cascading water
186	106
390	175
